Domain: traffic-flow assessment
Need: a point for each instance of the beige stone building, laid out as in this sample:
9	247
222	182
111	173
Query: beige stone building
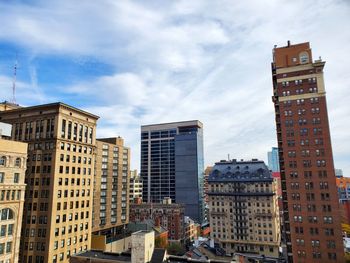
243	208
57	216
111	194
13	158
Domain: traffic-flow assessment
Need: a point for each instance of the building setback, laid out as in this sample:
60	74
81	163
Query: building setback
13	159
58	204
111	187
243	208
310	202
172	165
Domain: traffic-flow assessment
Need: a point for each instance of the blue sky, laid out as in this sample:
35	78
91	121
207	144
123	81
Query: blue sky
143	62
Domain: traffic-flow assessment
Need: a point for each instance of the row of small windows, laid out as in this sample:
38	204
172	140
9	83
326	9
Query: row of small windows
312	208
14	179
75	159
305	142
10	195
70	229
75	170
304	132
4	161
311	196
313	219
290	123
64	205
68	253
298	91
299	81
64	217
302	111
75	148
288	103
77	193
42	128
77	132
306	153
317	255
307	163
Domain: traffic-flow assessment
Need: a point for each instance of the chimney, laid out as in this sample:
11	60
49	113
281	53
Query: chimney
288	43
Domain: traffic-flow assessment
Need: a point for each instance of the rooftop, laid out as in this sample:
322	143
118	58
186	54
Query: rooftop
123	257
234	170
55	104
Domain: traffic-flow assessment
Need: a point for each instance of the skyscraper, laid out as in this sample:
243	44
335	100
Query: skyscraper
311	210
172	164
273	161
60	168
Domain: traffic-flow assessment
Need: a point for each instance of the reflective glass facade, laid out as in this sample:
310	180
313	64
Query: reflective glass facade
172	164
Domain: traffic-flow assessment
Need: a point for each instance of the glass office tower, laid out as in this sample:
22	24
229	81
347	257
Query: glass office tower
172	164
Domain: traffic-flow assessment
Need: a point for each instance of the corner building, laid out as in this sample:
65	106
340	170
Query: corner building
311	218
13	159
57	216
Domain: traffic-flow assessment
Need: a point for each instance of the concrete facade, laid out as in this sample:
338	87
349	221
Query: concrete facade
142	243
111	187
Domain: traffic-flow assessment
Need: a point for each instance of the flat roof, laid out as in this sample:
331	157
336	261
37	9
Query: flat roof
105	255
169	125
51	105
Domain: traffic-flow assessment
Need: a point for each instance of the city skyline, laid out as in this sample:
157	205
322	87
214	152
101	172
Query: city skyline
203	60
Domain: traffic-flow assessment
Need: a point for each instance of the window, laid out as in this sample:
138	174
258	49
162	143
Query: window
6	214
3	160
18	162
2	177
16	178
304	58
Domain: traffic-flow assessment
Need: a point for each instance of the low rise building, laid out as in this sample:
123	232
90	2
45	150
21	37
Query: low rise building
243	206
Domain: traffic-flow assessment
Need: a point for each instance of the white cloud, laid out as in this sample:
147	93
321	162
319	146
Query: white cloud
206	60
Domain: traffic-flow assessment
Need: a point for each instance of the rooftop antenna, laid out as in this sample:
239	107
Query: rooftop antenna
14	80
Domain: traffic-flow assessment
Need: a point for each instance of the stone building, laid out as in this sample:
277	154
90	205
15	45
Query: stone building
243	208
13	159
57	213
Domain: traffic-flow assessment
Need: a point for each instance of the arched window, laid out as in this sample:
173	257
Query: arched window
18	162
6	214
2	160
304	58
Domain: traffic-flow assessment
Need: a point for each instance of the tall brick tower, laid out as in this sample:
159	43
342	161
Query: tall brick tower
312	228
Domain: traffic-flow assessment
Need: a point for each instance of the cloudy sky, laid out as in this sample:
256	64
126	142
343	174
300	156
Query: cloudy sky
143	62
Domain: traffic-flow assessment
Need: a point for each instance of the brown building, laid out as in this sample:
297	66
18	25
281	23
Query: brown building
171	217
13	158
310	201
57	214
243	208
111	195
